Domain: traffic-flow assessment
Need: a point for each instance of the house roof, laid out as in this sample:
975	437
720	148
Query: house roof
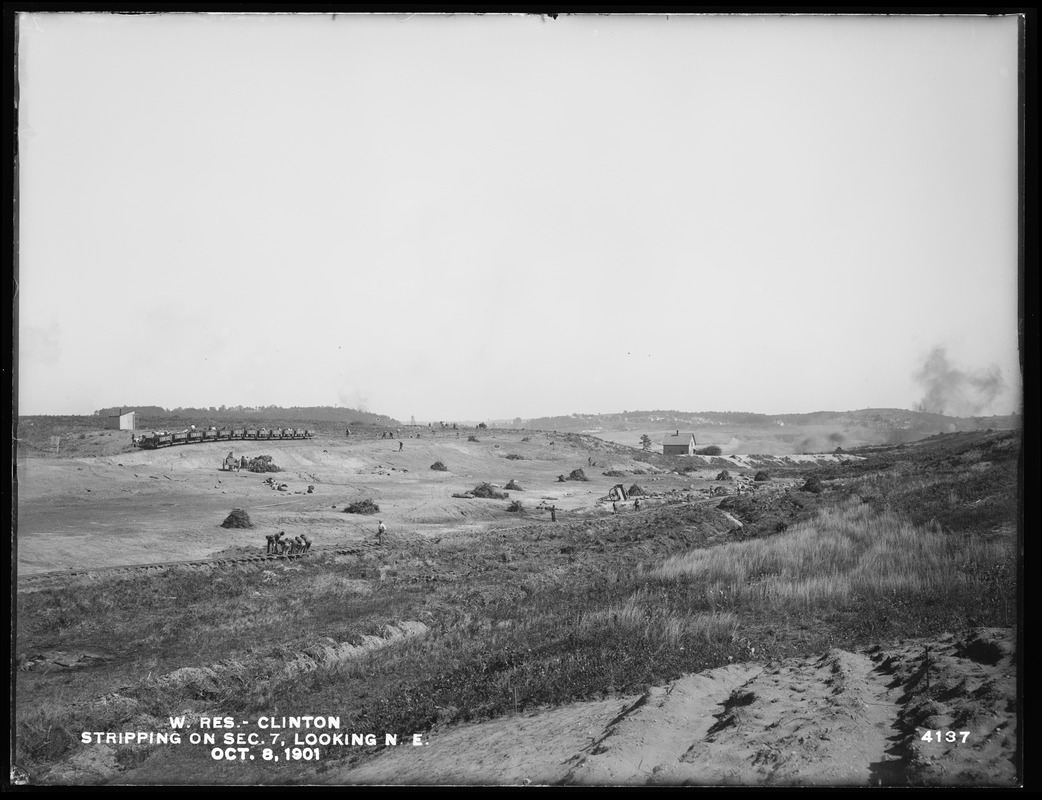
683	439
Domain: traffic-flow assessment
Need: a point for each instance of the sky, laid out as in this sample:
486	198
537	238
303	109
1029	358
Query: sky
457	217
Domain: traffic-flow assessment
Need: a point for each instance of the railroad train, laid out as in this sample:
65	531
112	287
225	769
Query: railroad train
153	440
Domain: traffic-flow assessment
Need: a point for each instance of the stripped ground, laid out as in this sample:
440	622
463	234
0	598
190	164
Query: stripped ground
840	719
142	506
98	763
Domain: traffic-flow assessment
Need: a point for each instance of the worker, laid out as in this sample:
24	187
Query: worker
380	531
272	539
553	513
307	542
400	447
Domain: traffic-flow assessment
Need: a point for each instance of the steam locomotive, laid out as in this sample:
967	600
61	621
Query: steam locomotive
153	440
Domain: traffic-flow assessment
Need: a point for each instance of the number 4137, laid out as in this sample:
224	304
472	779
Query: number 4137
946	736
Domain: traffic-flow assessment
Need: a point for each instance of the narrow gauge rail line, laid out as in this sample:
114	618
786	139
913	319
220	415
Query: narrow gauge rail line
155	439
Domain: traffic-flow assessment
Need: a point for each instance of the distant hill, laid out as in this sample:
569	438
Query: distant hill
231	414
881	419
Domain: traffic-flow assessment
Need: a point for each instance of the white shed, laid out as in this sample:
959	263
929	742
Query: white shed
123	421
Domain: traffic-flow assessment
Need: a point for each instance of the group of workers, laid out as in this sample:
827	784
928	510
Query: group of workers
279	544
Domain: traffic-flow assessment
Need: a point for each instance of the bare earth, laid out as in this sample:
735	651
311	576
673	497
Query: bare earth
842	719
136	506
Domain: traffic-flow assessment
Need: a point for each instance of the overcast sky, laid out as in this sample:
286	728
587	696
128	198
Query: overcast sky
480	217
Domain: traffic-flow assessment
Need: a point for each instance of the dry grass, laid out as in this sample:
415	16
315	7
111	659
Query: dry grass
641	616
846	552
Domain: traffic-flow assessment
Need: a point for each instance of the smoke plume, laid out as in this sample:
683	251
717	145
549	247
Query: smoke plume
356	400
951	391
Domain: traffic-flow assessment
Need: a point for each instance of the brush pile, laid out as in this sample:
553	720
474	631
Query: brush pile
366	506
488	491
262	464
237	519
813	484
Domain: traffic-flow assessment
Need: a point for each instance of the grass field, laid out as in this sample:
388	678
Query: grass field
431	632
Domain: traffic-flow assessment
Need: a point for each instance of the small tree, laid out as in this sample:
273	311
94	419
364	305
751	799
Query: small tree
645	442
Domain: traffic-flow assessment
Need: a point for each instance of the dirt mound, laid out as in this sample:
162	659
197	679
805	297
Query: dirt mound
237	519
514	486
984	647
438	466
813	485
766	514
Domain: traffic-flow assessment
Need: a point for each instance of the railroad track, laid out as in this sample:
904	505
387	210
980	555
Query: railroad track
25	580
